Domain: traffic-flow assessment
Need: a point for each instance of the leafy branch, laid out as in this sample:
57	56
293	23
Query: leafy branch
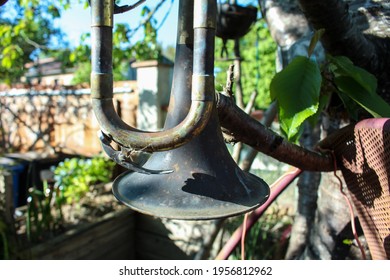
357	86
299	90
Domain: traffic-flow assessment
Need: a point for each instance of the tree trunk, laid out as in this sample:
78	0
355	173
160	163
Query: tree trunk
307	201
358	30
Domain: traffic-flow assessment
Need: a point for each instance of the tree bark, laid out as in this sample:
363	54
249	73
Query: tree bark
268	118
343	36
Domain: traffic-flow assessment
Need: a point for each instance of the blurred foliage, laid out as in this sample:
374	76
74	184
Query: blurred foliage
258	51
268	238
123	50
74	179
75	176
44	213
4	249
169	52
26	29
148	48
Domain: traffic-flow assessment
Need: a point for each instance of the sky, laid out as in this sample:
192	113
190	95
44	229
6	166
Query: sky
77	21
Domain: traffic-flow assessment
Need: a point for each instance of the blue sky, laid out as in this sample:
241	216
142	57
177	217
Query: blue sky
76	21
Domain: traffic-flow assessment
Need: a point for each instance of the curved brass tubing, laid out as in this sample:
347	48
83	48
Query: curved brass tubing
202	94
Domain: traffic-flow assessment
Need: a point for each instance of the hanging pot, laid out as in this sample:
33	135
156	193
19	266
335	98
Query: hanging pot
234	21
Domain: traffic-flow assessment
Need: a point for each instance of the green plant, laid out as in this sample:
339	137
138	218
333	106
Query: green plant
148	48
25	27
258	54
303	89
268	238
356	86
4	240
44	213
123	49
74	177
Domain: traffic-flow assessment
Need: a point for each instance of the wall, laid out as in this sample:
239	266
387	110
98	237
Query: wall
60	120
154	80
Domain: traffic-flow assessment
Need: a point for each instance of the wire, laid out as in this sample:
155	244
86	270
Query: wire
165	16
353	226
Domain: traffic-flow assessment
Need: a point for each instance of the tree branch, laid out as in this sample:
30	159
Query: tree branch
126	8
251	102
32	43
237	73
243	128
148	18
268	118
342	36
230	81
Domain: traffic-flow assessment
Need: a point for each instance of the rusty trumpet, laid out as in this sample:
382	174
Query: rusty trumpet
205	182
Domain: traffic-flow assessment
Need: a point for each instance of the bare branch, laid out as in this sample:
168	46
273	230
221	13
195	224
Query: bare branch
33	43
126	8
148	18
268	118
166	15
237	67
251	103
239	146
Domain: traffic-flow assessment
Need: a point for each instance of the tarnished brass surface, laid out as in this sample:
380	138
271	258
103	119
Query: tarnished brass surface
191	175
205	182
103	13
205	12
101	84
201	83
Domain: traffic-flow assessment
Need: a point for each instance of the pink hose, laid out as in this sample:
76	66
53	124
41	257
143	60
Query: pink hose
276	189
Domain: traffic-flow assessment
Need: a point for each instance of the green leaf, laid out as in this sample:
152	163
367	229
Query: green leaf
373	103
348	242
296	89
24	3
350	105
72	57
323	102
54	11
145	10
19	28
6	62
343	66
314	41
3	226
355	83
